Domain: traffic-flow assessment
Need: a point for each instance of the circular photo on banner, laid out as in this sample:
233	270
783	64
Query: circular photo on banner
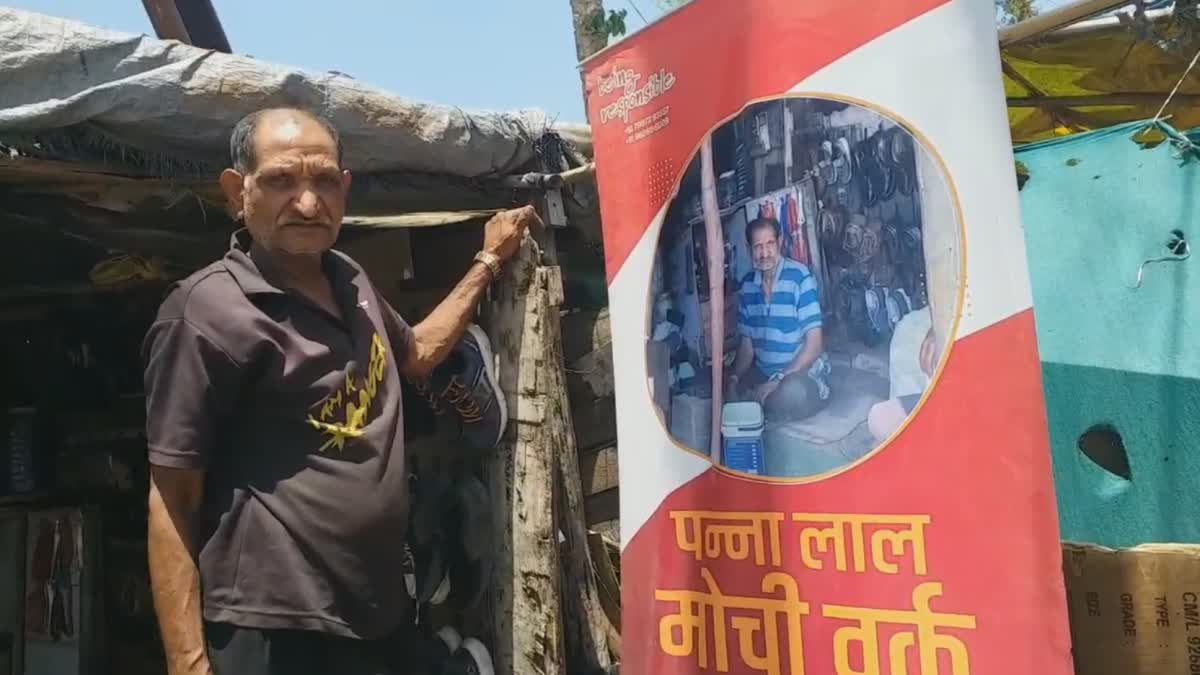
806	285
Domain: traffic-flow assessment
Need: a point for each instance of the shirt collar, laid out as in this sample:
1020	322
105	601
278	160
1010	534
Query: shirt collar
758	275
256	276
253	278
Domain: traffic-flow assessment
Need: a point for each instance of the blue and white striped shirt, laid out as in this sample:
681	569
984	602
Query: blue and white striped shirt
778	329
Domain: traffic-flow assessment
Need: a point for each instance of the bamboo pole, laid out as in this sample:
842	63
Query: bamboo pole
1055	19
716	288
1097	100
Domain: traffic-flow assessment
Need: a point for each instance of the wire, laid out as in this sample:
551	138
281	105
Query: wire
1176	89
638	11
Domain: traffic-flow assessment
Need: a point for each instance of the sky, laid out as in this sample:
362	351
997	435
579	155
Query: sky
476	54
490	54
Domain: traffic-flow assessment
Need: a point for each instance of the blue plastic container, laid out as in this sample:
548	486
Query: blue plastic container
742	427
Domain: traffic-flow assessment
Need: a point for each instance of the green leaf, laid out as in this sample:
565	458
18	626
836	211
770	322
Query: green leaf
616	22
598	23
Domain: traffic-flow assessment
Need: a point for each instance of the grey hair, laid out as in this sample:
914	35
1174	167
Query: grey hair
241	142
762	223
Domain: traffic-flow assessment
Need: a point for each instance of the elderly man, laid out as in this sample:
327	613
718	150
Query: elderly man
780	361
278	499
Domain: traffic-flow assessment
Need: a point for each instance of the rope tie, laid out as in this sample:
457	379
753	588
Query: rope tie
1158	115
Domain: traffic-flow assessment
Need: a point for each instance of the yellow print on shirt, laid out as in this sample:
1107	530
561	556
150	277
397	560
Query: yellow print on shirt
343	414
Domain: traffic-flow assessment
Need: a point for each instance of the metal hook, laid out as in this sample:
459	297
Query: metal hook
1180	251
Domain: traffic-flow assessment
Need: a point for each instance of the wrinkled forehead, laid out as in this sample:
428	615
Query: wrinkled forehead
291	138
763	235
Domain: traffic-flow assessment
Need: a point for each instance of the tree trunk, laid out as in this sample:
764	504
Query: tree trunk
587	41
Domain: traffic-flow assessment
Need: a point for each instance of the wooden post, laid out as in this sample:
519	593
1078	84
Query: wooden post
526	630
1093	100
538	624
1056	18
164	17
716	288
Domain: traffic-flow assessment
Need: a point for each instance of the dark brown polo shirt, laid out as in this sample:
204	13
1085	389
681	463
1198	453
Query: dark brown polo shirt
295	416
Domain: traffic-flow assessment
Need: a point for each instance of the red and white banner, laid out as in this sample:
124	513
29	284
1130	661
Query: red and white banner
833	449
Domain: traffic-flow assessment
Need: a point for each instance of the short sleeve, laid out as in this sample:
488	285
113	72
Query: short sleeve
808	304
191	385
400	334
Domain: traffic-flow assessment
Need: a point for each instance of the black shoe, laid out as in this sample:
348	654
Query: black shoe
467	384
448	641
472	658
429	540
425	577
435	650
469	561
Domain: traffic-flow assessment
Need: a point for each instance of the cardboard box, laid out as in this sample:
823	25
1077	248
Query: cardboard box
1134	611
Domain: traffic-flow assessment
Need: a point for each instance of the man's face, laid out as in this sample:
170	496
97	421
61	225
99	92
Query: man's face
294	199
764	248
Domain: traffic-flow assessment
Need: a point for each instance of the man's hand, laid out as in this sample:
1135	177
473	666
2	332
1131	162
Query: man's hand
502	234
444	326
765	390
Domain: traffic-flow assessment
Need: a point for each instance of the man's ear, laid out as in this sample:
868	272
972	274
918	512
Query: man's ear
346	182
232	184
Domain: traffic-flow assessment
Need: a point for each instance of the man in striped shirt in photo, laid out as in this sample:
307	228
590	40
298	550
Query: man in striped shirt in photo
781	360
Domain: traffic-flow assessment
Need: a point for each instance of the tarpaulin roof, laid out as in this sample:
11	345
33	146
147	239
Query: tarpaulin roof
1123	78
83	90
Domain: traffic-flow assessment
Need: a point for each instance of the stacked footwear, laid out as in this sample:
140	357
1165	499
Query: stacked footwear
449	541
469	556
457	656
467	386
450	530
428	542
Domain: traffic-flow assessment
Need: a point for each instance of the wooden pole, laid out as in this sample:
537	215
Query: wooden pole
168	24
192	22
1097	100
1061	115
534	481
1056	18
716	288
526	629
203	25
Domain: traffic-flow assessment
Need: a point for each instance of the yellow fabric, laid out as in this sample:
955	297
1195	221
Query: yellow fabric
1097	62
126	269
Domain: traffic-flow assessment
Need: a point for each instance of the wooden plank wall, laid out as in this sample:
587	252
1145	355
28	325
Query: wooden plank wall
587	351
